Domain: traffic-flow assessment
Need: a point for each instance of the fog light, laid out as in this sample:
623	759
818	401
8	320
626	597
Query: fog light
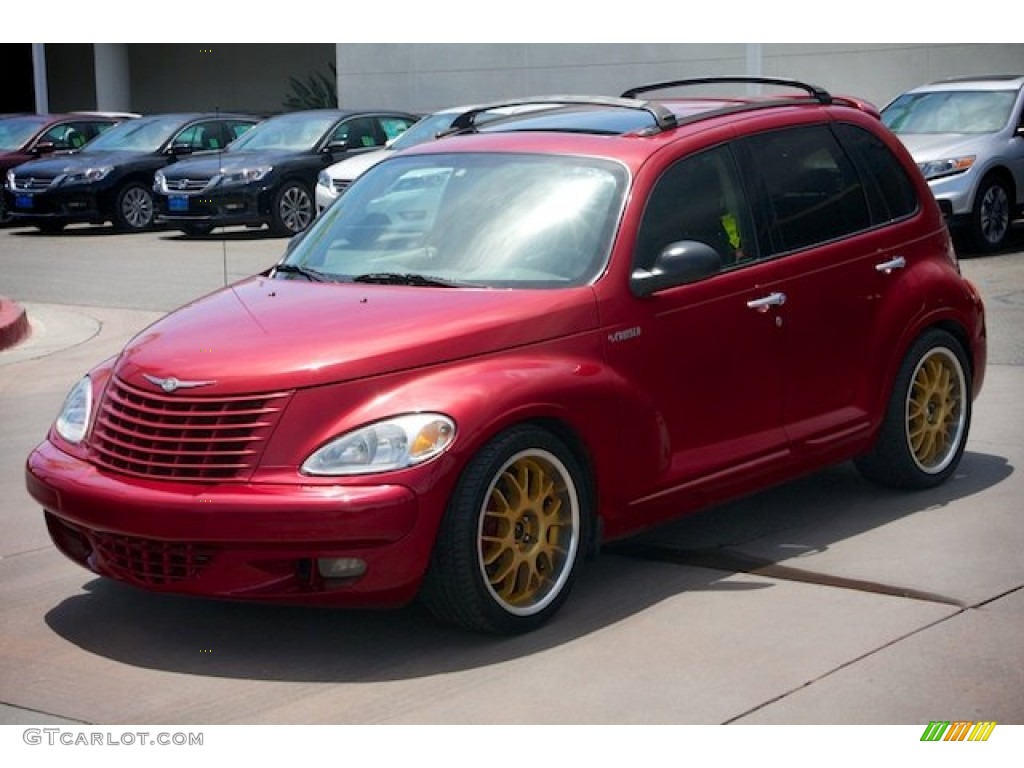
340	567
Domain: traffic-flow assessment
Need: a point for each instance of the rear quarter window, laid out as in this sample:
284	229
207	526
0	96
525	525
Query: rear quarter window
890	191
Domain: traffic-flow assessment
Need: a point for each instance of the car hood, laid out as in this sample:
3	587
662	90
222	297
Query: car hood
264	335
925	147
76	161
228	162
348	169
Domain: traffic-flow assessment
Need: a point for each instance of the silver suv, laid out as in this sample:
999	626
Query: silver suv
967	137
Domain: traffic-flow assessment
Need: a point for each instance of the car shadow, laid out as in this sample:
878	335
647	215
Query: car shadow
287	643
85	230
966	249
229	235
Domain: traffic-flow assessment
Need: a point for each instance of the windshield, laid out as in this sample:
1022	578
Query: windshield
425	130
292	133
497	221
15	131
950	112
141	135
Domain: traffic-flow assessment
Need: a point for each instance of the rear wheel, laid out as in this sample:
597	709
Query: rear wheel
928	417
512	537
990	219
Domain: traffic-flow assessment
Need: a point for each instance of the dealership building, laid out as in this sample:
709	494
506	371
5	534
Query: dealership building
266	78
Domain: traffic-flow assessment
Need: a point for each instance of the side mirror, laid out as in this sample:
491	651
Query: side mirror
45	148
342	145
179	149
686	261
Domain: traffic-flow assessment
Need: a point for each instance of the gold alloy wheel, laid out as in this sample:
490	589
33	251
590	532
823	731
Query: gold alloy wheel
935	410
529	531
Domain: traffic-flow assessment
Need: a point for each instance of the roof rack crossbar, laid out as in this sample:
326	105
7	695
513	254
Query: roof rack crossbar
817	92
664	118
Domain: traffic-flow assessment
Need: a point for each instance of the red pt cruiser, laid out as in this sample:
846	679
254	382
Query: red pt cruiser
498	350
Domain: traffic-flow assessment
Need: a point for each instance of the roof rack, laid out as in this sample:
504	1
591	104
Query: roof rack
818	93
663	117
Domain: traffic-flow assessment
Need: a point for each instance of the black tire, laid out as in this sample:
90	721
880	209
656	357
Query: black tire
928	417
991	217
513	535
133	208
293	211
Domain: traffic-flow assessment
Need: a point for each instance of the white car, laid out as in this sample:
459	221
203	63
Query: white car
333	180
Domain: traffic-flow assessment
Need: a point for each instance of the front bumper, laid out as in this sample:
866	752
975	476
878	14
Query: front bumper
68	205
955	194
239	541
244	204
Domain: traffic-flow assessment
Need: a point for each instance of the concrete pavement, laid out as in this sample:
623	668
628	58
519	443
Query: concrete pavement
823	601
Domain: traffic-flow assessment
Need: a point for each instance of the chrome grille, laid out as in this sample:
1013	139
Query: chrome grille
32	183
186	185
185	437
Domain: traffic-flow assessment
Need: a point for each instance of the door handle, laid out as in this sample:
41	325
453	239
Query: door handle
886	267
763	304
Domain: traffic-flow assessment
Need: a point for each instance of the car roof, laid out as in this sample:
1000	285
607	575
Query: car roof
986	83
585	124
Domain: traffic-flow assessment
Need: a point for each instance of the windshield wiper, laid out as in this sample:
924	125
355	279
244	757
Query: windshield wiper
407	278
312	275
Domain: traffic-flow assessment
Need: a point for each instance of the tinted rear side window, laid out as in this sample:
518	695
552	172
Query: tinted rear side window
891	193
812	192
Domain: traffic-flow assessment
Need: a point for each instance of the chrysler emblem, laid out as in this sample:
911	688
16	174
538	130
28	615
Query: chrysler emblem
182	184
170	384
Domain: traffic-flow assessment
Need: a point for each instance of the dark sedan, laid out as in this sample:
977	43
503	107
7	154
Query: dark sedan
111	179
267	176
28	136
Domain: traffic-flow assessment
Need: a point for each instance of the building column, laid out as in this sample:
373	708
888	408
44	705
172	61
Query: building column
40	85
113	81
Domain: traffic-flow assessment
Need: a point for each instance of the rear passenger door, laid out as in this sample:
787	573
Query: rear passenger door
831	223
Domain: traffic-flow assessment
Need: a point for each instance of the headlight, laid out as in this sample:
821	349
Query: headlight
159	182
10	179
951	166
246	175
395	443
324	180
89	175
73	419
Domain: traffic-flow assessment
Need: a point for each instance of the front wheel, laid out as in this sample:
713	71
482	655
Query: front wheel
133	209
293	209
990	219
928	417
512	536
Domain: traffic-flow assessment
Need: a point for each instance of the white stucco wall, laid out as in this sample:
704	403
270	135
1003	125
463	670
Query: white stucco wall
432	75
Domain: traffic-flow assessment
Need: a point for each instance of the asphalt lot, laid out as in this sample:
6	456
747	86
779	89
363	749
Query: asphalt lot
826	601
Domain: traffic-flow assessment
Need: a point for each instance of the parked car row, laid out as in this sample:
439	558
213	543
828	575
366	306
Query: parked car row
186	169
499	350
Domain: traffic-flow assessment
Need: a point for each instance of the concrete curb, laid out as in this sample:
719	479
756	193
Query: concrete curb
13	323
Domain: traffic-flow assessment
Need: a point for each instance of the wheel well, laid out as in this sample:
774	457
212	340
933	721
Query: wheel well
1004	175
575	444
960	335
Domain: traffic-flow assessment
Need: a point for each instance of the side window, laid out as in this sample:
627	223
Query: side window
891	194
394	127
189	137
811	189
236	128
698	198
201	136
66	136
358	132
